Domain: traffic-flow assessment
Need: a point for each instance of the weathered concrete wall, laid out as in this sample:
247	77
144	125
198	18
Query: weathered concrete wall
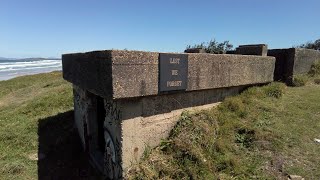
82	108
284	63
207	71
304	58
125	74
292	61
134	73
252	49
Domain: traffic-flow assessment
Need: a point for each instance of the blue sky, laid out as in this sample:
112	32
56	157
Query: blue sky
49	28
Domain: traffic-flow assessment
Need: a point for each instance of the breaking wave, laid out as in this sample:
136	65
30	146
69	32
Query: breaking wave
16	65
13	68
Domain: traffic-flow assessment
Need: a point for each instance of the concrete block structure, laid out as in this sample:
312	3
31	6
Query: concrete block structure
195	50
252	49
293	61
121	105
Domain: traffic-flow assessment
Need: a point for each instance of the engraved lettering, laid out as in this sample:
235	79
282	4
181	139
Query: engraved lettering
174	60
174	83
174	72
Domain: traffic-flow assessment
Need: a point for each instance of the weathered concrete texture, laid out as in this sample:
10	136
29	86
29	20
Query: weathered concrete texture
85	112
252	49
304	58
82	108
208	71
134	73
231	52
124	74
99	128
284	63
112	73
91	71
292	61
147	132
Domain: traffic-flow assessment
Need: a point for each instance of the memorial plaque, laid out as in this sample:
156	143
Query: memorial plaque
173	72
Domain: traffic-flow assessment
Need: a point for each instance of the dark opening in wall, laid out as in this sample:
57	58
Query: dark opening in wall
101	112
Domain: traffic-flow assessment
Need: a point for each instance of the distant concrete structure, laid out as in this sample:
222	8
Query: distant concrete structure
120	104
231	52
292	61
251	49
195	50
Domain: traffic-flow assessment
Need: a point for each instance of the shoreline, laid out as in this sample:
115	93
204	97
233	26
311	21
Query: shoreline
5	77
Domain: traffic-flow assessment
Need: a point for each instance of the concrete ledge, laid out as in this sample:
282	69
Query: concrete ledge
125	74
207	71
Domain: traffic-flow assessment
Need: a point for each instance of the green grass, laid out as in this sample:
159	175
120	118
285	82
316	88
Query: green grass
300	80
264	133
35	117
315	69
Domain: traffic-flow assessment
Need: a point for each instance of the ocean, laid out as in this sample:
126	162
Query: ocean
13	68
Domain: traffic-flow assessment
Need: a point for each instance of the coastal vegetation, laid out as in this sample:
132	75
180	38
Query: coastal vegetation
213	46
311	45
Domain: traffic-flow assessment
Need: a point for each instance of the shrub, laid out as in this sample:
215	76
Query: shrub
299	80
213	46
311	45
315	69
274	89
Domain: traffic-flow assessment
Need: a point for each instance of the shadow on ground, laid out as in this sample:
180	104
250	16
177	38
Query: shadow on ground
60	153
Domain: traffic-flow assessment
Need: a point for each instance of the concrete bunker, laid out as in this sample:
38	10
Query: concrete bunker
120	106
251	49
292	61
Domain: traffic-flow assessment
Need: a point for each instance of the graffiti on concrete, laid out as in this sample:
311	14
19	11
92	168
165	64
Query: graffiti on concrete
82	103
112	129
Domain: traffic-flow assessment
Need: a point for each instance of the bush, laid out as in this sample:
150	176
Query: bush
315	69
213	46
311	45
299	80
274	89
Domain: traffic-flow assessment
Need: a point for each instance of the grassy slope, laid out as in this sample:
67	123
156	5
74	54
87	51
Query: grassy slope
256	135
248	135
36	116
